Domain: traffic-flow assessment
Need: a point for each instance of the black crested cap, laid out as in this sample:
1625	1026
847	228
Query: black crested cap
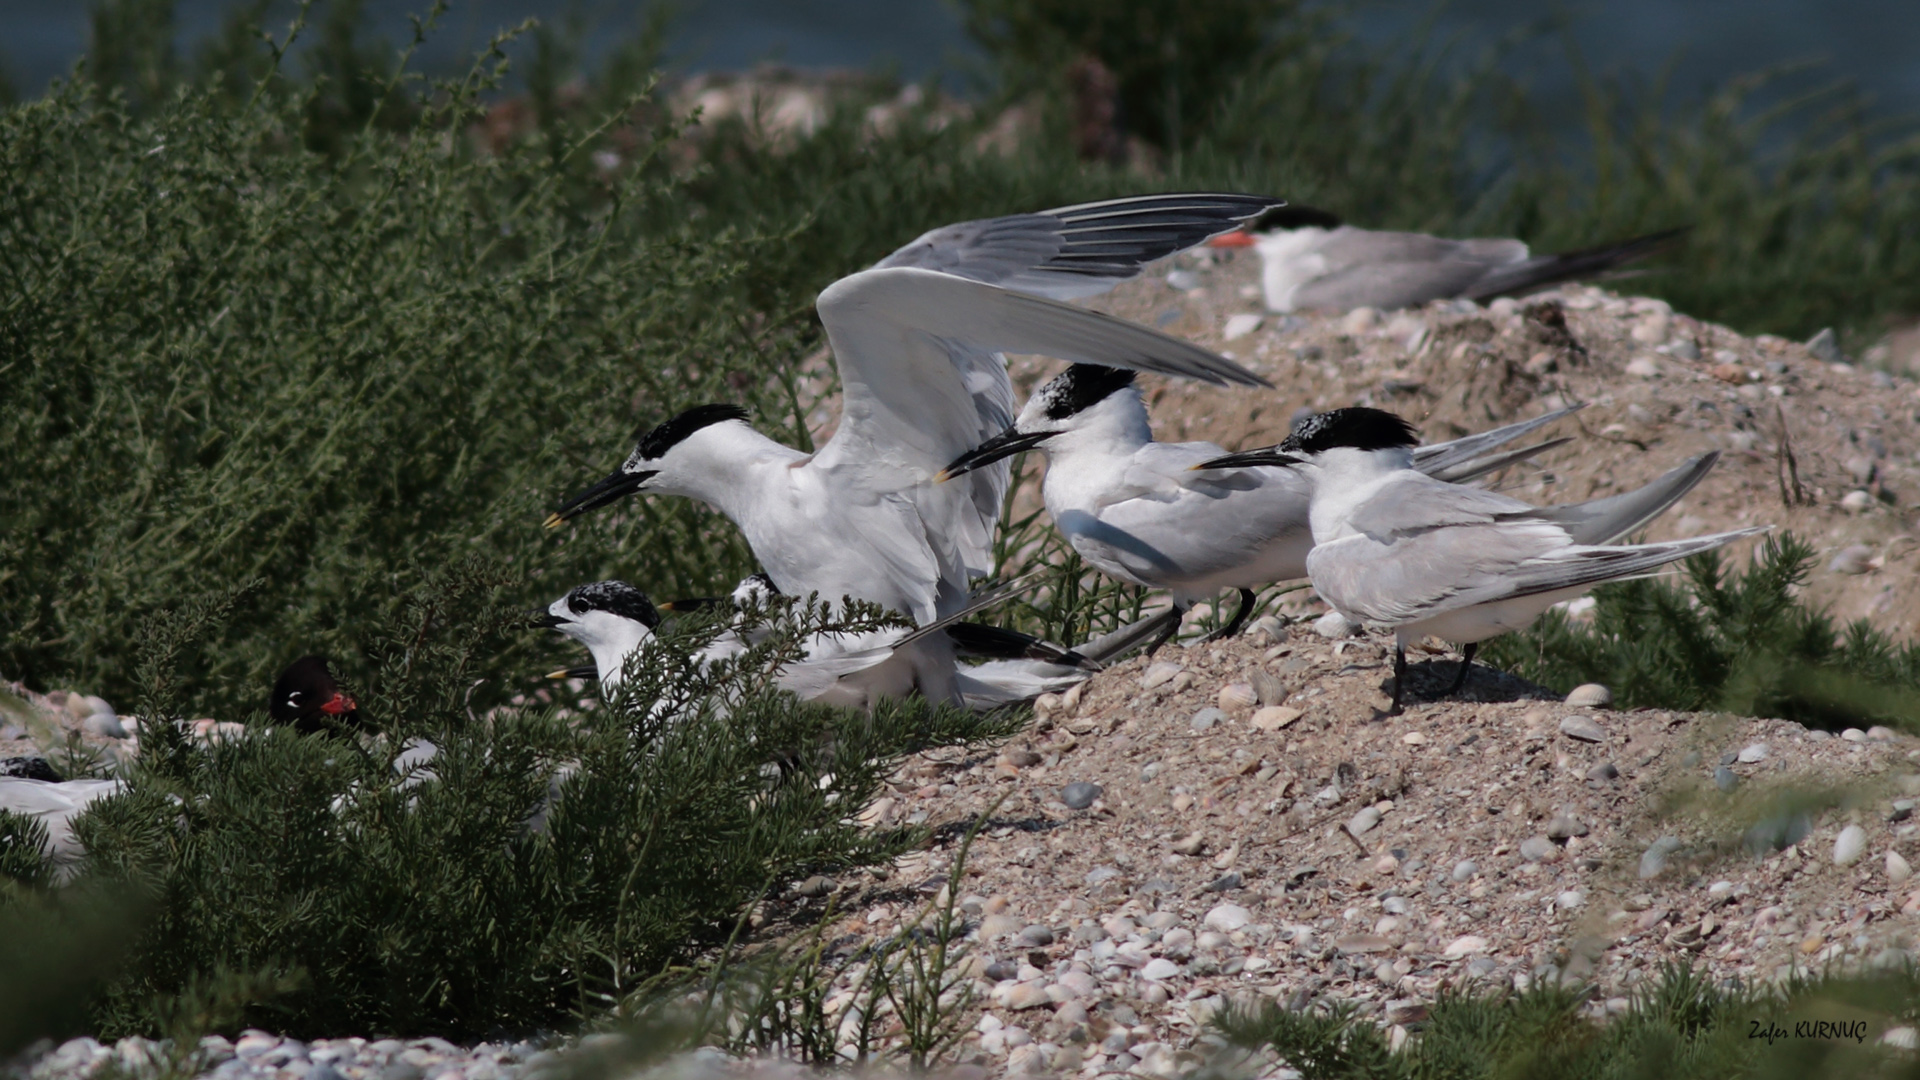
1294	217
1359	427
668	434
760	578
615	598
1081	386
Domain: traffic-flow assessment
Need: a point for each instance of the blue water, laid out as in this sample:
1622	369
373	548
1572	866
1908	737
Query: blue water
1874	44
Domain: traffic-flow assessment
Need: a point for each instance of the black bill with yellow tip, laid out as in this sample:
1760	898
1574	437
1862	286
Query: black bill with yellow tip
1269	455
1004	445
587	672
613	488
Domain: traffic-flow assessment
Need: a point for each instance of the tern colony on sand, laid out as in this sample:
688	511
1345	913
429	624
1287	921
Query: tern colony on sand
614	621
1139	510
1310	260
305	697
918	342
1396	548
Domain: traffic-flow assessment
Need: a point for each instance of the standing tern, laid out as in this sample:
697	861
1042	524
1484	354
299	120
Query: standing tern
918	342
1397	548
1137	510
1309	259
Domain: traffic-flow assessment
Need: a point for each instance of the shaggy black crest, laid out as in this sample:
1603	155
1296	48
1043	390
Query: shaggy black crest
1080	387
1360	428
760	578
1293	217
616	598
664	437
30	768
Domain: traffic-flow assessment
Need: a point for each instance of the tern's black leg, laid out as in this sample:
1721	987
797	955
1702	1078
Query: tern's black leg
1399	676
1239	618
1466	665
1173	627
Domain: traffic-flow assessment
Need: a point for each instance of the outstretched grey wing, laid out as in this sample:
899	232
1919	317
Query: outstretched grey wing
1078	251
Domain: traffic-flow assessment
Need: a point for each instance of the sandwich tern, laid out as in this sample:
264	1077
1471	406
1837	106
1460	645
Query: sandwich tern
1139	511
1309	259
918	340
1394	547
613	619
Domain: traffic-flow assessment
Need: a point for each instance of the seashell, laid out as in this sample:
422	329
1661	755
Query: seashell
1333	626
1590	696
1268	689
1237	697
1857	559
1159	674
1856	502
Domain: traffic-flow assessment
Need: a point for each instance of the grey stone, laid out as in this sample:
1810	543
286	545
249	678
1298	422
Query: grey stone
1582	728
1482	966
1654	859
1564	826
1725	779
401	1069
1036	936
1753	753
1364	821
1080	795
1229	880
1208	717
1902	810
1779	832
1825	347
1606	770
1537	849
1465	869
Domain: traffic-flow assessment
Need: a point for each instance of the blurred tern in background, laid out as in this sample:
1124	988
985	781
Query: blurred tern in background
1309	260
1138	511
917	340
1396	548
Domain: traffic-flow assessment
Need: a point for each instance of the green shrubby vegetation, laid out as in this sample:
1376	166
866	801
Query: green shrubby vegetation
1742	642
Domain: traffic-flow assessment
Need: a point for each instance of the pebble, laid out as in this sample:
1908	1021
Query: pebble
1159	674
1725	779
1849	845
1333	626
1360	320
1854	735
1364	821
1193	844
1080	795
105	724
1825	347
1465	869
1225	882
1565	826
1857	502
1206	718
1753	753
1853	561
1226	918
1590	696
1606	770
1582	728
1538	849
1035	936
1643	367
1465	945
1654	859
1239	326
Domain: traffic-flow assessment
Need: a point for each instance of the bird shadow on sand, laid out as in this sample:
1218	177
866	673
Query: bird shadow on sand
1429	680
